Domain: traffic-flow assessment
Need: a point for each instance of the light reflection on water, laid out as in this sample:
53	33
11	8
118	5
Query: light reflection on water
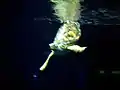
100	16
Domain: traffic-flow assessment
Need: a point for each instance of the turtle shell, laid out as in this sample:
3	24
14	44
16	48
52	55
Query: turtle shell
67	35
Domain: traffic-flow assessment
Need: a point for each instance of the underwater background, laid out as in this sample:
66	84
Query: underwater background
28	26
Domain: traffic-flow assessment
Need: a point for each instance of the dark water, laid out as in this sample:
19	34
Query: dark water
25	40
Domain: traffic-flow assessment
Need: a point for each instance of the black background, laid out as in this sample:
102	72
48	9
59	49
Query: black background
24	48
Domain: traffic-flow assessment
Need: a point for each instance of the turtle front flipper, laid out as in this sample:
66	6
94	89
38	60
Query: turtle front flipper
46	62
76	48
